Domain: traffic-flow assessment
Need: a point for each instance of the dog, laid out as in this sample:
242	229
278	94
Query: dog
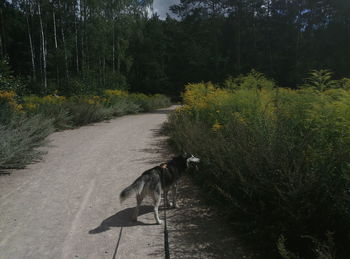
157	179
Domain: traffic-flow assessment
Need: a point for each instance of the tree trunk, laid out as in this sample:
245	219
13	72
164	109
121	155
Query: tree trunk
43	46
82	37
298	40
76	41
54	27
104	70
31	48
2	32
239	36
64	46
56	45
118	55
65	53
113	47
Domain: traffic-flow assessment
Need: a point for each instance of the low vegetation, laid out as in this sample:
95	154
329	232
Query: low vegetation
277	159
26	121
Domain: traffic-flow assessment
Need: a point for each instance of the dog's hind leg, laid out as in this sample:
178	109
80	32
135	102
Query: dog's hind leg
139	199
157	197
174	194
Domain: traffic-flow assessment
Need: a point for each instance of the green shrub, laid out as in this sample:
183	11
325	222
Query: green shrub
277	159
26	121
51	106
142	100
82	113
319	80
124	106
159	101
20	140
149	103
253	80
8	106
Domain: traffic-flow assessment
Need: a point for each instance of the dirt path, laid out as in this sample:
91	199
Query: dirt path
67	206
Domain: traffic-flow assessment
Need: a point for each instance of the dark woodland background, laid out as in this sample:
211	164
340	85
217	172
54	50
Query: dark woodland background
80	46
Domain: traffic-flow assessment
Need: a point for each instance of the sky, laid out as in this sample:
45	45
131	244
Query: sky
162	7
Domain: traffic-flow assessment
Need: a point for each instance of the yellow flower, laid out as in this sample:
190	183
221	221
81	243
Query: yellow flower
90	101
217	126
8	95
19	107
31	106
118	93
239	117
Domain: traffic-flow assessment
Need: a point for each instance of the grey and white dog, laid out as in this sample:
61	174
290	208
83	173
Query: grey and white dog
157	179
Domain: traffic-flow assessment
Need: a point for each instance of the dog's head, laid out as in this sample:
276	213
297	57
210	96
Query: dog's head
191	160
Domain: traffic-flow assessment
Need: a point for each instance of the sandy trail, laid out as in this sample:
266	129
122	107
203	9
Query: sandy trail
67	205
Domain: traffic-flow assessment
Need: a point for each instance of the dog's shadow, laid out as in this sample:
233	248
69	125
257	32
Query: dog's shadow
122	219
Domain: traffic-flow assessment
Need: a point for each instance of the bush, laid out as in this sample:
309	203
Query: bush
253	80
159	101
120	102
82	113
8	106
84	109
149	103
124	106
20	140
25	122
277	159
52	107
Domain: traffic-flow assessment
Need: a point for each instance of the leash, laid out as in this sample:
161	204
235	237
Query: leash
117	246
166	233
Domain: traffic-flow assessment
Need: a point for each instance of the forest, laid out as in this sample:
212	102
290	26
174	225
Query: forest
82	46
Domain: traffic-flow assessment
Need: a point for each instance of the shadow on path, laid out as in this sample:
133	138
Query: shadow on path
157	148
198	231
122	219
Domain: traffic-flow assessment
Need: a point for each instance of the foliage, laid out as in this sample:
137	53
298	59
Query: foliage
319	80
276	159
7	81
80	110
26	122
8	105
83	113
20	140
124	106
90	46
51	106
148	103
253	80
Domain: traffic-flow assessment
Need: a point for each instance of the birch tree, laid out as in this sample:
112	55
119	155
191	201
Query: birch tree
43	46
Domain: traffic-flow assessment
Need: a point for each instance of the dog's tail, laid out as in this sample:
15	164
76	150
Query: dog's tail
135	188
